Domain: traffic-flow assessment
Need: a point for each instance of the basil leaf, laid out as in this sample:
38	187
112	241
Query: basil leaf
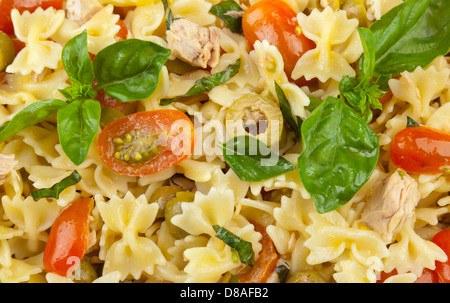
286	111
410	122
30	115
77	125
252	160
224	10
129	70
340	152
76	60
206	84
244	248
282	271
168	14
411	34
367	61
56	189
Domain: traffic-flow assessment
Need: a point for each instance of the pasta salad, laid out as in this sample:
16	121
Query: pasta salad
238	141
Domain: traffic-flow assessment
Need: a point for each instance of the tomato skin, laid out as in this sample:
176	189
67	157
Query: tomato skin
123	32
6	6
164	121
428	276
442	239
276	22
421	150
265	263
68	238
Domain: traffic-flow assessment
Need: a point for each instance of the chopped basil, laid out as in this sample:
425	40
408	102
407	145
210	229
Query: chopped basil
206	84
231	13
56	189
252	160
168	14
243	248
410	122
282	272
295	124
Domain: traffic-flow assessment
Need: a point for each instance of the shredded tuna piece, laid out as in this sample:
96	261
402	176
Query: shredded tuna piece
82	10
7	164
391	204
194	44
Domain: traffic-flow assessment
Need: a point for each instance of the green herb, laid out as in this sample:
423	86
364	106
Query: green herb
168	14
129	70
206	84
244	248
252	160
411	34
56	189
29	116
234	279
340	152
282	272
294	123
77	125
224	10
410	122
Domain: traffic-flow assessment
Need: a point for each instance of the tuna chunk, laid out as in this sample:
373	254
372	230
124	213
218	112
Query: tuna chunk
82	11
391	204
193	43
7	163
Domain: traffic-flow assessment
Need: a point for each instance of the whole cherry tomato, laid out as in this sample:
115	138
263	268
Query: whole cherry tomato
442	239
421	150
6	6
68	238
146	142
276	22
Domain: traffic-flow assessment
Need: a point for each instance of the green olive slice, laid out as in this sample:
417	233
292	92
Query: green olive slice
162	196
256	116
306	276
173	208
7	51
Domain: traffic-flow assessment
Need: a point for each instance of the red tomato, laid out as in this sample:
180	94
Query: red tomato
442	239
146	142
68	239
421	150
276	22
123	32
428	276
6	6
265	263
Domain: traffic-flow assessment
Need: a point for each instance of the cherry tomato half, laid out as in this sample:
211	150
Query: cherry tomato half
68	238
146	142
276	22
422	150
442	239
6	6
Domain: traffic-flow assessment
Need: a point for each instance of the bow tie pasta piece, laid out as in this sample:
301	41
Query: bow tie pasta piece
328	29
34	29
128	218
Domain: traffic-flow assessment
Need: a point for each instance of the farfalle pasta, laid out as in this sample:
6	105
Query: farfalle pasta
108	102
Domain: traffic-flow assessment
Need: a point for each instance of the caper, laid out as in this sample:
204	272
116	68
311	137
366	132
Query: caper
306	276
163	195
255	116
173	208
7	51
85	272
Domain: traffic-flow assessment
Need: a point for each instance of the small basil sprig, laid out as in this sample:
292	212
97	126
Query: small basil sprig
56	189
127	70
243	248
168	14
340	152
252	160
206	84
230	12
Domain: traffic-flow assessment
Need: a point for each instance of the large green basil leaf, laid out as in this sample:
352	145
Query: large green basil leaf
129	70
252	160
77	125
29	116
340	152
206	84
223	10
76	60
411	34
